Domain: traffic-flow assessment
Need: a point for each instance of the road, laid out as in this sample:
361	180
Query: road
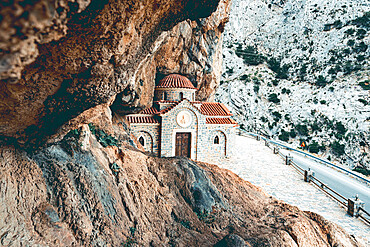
338	181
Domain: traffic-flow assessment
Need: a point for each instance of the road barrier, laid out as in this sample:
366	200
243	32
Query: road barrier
355	207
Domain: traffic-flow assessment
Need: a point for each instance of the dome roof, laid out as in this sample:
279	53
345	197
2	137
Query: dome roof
175	81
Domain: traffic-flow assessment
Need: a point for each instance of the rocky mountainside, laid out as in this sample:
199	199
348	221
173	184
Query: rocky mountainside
299	71
71	174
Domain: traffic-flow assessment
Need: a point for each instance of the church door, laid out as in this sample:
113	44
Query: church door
183	144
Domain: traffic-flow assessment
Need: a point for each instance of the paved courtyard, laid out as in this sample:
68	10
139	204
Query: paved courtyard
256	163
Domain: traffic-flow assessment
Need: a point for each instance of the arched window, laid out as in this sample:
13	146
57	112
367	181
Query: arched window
216	140
164	96
181	95
141	140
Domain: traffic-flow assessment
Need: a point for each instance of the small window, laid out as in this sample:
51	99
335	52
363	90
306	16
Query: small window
164	96
216	140
181	96
141	140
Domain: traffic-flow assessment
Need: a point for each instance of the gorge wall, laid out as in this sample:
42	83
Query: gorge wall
71	175
298	70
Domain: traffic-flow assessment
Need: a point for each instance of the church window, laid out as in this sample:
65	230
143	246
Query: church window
164	96
141	140
216	140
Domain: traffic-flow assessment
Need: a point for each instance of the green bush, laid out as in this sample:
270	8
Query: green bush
361	47
302	129
362	170
292	133
337	148
284	136
361	33
350	31
281	71
351	42
104	139
321	81
339	127
273	98
363	101
323	102
313	147
277	116
249	54
365	85
363	21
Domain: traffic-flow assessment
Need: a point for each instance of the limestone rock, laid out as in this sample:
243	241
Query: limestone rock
59	58
66	193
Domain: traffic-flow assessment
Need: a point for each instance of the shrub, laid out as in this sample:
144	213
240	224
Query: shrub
337	148
263	119
292	133
273	98
363	21
256	88
351	42
361	47
275	82
284	136
340	128
365	85
350	31
363	101
321	81
277	116
281	71
361	33
362	170
313	147
323	102
249	54
331	89
245	78
104	139
302	129
315	127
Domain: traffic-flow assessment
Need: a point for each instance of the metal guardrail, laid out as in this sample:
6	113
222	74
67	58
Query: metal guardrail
322	186
309	155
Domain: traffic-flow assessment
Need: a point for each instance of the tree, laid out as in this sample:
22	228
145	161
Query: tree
337	148
274	98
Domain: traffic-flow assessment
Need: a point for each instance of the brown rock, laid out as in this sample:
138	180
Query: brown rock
67	194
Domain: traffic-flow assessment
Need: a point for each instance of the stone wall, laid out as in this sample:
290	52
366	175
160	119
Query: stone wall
174	94
151	135
170	128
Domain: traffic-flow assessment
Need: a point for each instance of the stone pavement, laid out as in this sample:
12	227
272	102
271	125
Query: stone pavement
256	163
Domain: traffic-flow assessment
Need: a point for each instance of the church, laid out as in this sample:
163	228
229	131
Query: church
177	125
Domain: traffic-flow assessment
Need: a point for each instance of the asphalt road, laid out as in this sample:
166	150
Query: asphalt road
340	182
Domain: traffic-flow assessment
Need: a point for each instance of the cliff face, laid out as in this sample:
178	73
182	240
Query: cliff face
64	66
302	67
59	58
80	191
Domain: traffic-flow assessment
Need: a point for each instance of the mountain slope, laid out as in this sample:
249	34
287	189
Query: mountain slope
299	71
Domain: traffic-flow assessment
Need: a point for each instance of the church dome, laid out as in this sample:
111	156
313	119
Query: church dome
175	81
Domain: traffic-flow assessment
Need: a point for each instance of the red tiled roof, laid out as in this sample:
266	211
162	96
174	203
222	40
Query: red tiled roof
166	101
149	111
220	121
164	111
175	81
214	109
142	119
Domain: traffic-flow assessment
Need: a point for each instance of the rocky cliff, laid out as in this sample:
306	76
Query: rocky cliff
71	175
299	71
92	188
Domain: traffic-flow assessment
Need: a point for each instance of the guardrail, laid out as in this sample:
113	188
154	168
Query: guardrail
353	206
309	155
